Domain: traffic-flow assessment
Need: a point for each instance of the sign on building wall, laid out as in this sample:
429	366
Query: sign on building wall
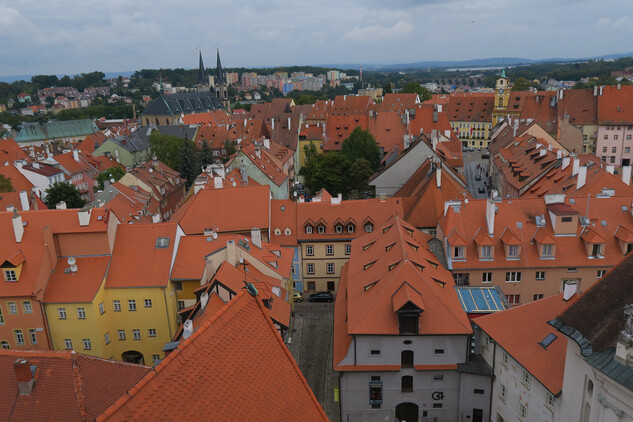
375	392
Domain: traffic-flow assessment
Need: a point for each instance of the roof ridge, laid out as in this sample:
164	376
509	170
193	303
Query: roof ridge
77	384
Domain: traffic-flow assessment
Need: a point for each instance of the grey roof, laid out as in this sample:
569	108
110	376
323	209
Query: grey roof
476	365
131	143
180	131
606	363
185	102
54	130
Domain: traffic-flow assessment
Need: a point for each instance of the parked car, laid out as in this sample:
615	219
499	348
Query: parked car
297	297
321	297
481	190
485	155
478	178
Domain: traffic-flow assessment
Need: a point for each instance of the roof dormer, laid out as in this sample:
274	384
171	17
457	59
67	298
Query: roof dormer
408	304
12	267
564	219
485	245
625	239
594	243
546	244
457	246
512	245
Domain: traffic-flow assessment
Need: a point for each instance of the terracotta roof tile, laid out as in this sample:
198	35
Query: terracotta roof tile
81	286
615	105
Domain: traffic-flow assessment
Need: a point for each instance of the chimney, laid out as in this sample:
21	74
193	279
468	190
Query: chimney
582	177
258	153
490	216
256	237
24	376
61	205
626	175
244	174
289	123
569	290
438	177
595	91
18	228
542	152
24	200
266	143
217	182
434	139
231	253
76	155
435	117
439	108
600	90
574	170
619	86
273	123
559	154
36	165
565	162
382	196
10	208
610	169
209	271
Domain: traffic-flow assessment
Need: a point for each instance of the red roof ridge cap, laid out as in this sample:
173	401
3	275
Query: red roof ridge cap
77	384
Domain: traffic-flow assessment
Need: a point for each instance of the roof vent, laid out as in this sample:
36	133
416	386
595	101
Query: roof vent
603	223
540	220
162	242
519	225
584	221
187	329
572	201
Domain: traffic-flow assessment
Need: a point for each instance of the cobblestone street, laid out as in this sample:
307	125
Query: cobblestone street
311	347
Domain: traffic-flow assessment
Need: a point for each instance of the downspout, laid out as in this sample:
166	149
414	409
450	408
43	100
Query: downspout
167	312
492	378
47	329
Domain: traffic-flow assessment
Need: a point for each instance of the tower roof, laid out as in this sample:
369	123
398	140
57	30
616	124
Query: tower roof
219	73
202	75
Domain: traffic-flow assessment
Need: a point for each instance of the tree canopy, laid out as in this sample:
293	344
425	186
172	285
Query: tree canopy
113	173
414	87
167	148
5	184
63	191
188	162
361	144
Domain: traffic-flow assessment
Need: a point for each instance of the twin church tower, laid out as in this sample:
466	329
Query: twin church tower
219	83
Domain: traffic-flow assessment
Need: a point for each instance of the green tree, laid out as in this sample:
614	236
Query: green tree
63	191
361	144
113	173
325	171
521	84
5	184
230	148
359	173
414	87
205	156
188	162
388	89
167	148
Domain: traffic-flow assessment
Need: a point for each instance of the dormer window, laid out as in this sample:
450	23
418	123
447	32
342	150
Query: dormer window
514	251
320	229
458	252
596	250
338	228
351	228
369	227
10	275
546	250
308	229
486	252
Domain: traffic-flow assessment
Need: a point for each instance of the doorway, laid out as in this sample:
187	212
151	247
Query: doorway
407	412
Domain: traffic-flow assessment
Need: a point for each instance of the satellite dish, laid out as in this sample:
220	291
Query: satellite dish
71	260
214	235
112	180
73	268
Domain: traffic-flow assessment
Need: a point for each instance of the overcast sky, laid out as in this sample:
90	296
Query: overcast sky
64	37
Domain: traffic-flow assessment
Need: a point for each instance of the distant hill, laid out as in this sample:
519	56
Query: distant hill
108	75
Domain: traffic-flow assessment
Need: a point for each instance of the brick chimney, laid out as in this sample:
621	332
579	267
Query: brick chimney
24	376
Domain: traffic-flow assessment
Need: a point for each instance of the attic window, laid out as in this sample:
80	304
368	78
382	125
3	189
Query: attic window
408	230
367	266
370	285
10	275
308	229
320	229
162	242
386	229
440	283
388	247
549	339
367	246
433	264
413	246
392	266
418	266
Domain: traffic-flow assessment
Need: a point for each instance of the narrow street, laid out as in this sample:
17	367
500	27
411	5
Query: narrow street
311	346
476	167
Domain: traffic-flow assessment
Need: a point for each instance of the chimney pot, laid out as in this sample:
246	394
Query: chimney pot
24	376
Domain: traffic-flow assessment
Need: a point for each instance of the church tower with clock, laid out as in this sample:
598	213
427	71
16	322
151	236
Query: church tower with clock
502	98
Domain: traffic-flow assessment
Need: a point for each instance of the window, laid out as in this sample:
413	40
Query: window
458	252
1	317
478	391
338	228
81	313
437	405
601	273
178	286
351	228
330	268
106	338
329	249
68	344
462	279
309	250
348	249
136	334
308	229
116	305
310	268
61	313
28	309
180	305
549	399
131	304
33	335
438	351
538	296
369	228
9	275
612	159
148	303
374	352
321	229
513	299
19	337
162	242
13	308
615	138
155	359
121	334
438	377
513	277
87	344
540	275
101	308
406	358
513	251
486	251
596	250
525	378
486	278
546	250
613	149
503	392
605	148
311	285
407	384
151	332
522	411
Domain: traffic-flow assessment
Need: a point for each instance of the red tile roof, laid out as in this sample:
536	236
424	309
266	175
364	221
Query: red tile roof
580	105
615	106
10	151
18	180
226	210
80	286
137	261
266	162
283	217
546	364
234	365
68	386
13	198
470	107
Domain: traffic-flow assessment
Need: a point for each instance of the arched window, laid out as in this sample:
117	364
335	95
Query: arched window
5	344
406	358
500	102
407	384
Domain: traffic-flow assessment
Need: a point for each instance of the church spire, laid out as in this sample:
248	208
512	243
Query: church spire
202	77
219	73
